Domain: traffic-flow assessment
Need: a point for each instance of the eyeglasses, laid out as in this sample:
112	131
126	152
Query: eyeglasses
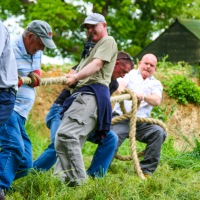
131	60
125	58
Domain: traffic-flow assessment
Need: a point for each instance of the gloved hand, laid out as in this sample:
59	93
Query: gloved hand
35	78
19	81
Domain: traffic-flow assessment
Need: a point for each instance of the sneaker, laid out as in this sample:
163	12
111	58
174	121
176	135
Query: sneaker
2	196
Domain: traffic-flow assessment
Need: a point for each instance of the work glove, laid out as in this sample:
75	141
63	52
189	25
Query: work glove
35	78
20	82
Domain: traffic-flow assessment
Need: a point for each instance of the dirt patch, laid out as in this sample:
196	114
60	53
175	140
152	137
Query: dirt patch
184	123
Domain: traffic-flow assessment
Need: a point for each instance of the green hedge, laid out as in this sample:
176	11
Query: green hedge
183	89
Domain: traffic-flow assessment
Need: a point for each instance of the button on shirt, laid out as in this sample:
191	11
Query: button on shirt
8	66
138	85
25	64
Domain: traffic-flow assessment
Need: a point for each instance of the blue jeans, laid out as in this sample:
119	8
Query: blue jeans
103	155
48	158
101	159
7	101
15	150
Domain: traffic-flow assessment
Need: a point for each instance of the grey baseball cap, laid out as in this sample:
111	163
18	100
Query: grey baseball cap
44	31
93	18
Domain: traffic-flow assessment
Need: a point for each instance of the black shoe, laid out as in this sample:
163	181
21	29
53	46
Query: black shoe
2	196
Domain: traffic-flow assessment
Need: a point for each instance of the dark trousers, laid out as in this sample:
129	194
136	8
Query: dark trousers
152	135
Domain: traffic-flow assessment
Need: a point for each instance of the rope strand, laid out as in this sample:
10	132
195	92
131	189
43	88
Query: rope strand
127	94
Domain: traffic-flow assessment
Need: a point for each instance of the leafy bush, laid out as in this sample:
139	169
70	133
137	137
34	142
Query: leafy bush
197	71
64	68
183	89
163	112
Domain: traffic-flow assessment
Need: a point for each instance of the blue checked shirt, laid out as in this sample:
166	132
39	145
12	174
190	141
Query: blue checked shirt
8	66
138	85
25	64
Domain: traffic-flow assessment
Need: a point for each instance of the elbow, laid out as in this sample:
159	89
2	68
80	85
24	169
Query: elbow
157	102
98	67
98	64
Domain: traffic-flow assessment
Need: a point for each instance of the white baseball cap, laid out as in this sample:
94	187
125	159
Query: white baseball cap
93	19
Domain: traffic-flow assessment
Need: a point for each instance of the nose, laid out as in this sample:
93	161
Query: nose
89	30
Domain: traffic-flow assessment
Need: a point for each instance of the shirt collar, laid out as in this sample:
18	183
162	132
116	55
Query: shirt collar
22	47
149	78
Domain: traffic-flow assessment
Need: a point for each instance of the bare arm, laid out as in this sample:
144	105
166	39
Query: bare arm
152	99
91	68
72	71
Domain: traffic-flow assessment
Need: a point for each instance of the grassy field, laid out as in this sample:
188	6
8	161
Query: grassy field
177	177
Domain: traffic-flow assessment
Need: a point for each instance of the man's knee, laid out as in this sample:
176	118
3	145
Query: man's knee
28	162
112	138
160	133
66	144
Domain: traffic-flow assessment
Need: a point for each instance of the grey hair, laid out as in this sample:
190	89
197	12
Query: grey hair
26	32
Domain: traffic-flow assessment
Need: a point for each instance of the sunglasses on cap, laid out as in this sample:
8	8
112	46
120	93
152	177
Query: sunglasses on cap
126	58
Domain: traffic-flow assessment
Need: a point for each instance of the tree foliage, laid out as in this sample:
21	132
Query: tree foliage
131	22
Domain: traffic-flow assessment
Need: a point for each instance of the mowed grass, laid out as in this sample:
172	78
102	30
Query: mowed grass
177	177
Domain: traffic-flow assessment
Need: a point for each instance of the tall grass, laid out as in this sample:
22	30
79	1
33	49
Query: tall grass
177	177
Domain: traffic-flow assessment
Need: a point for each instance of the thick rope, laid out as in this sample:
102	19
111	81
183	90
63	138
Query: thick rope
46	81
140	120
126	95
132	134
133	119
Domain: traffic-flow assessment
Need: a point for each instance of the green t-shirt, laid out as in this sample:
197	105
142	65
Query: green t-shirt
106	50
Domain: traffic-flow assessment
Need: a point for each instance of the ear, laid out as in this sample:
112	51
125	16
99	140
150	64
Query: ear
30	35
117	63
104	24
